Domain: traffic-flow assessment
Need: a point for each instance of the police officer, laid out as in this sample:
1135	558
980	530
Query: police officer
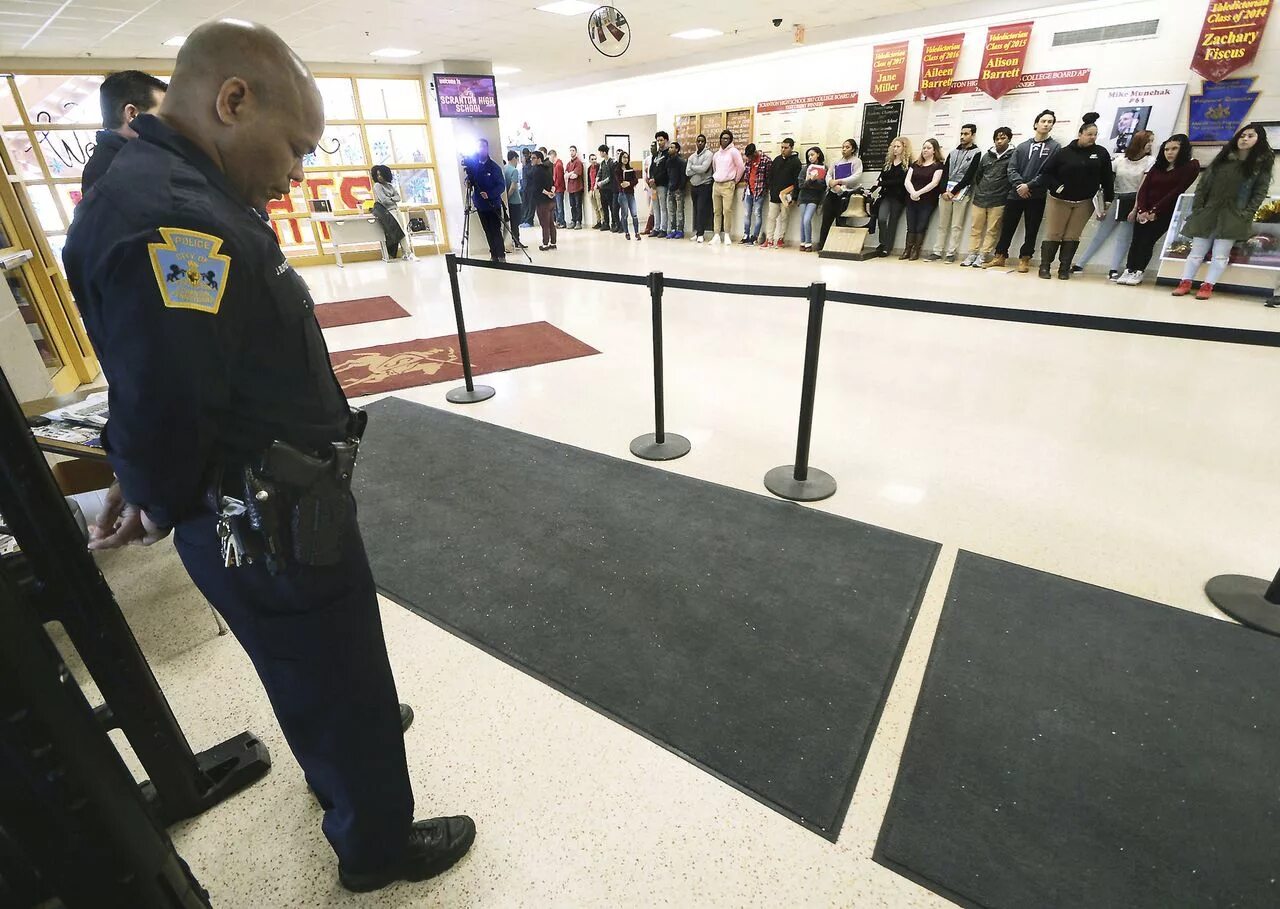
219	375
122	96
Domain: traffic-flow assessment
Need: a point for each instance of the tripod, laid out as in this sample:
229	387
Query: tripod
504	221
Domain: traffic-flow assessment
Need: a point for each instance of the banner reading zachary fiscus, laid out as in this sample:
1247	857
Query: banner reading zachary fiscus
1230	37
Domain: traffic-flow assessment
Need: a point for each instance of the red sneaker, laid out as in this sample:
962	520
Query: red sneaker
1206	291
765	244
1183	288
779	244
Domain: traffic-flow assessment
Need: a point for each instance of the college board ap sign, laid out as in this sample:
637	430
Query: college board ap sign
466	96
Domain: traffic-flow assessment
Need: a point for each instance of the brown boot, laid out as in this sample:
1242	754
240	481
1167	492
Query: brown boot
919	245
1024	264
997	262
907	246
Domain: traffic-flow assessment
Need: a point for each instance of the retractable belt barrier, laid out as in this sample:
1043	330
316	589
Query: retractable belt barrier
1253	601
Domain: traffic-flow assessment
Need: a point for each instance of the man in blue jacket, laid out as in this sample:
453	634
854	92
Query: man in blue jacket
488	188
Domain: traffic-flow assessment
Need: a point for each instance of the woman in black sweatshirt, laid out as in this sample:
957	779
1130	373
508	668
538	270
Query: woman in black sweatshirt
1073	177
542	196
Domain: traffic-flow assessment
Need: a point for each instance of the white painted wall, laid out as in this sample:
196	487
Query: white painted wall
561	118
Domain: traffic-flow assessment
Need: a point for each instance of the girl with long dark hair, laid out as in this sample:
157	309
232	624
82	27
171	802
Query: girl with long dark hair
813	187
1231	190
626	178
386	209
1172	175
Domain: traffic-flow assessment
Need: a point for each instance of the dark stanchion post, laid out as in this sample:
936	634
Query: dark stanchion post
1250	601
470	393
799	482
659	445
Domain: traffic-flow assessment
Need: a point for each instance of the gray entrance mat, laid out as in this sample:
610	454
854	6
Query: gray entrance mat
1078	747
756	638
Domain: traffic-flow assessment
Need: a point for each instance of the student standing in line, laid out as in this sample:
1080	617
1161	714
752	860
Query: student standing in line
514	198
924	187
607	187
575	185
755	195
530	203
698	169
627	178
676	180
813	186
784	175
542	188
657	181
954	203
1073	177
1172	175
841	180
1130	166
726	171
1026	199
1231	191
893	193
990	190
557	174
593	188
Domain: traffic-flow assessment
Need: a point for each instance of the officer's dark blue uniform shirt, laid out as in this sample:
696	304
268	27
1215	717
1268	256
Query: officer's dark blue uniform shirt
205	332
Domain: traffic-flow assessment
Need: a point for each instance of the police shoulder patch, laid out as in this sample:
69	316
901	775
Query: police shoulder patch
189	271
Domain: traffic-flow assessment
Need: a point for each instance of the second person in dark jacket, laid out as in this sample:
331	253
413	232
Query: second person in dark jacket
1073	177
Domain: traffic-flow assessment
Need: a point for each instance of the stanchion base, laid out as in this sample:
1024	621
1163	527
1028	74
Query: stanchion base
1243	599
649	448
235	764
464	395
782	482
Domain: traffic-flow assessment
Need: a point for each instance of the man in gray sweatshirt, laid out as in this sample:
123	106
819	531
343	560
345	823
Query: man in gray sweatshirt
1026	162
956	196
698	170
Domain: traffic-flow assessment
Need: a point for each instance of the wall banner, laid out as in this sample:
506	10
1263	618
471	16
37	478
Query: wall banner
888	71
1220	110
938	65
1004	57
1230	37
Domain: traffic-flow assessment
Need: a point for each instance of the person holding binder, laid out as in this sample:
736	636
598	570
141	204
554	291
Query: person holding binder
841	182
953	205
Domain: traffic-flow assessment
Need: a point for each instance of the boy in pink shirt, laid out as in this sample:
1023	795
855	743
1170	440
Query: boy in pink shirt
727	168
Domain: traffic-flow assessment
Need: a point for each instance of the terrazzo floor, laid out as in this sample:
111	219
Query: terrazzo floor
1139	464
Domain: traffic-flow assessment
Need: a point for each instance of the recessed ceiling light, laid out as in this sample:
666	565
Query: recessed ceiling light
175	41
505	70
394	52
568	7
698	34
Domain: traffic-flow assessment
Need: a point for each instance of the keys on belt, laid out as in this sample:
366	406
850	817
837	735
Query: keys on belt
230	519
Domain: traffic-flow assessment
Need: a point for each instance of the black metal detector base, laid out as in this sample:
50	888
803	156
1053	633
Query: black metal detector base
782	482
465	395
649	448
1243	598
236	764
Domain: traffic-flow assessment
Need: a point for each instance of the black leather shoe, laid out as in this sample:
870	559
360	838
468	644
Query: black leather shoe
434	847
406	717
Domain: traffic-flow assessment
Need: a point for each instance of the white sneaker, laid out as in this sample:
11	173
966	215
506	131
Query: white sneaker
699	238
715	240
970	261
1131	278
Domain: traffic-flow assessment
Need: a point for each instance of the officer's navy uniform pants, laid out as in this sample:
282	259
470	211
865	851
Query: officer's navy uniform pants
315	637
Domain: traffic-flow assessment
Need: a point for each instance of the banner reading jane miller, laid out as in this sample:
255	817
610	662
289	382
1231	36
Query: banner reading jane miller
1003	59
1230	37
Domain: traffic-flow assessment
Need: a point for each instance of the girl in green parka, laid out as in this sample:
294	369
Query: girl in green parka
1230	192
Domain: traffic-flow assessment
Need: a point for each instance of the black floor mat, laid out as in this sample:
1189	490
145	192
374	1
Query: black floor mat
754	637
1078	747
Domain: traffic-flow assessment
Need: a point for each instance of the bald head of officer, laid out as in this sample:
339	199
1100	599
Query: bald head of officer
248	102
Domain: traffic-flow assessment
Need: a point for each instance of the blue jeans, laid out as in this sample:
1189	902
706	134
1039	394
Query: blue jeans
675	210
659	209
627	203
559	209
754	206
806	221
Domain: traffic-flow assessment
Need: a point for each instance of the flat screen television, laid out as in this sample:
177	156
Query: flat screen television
463	95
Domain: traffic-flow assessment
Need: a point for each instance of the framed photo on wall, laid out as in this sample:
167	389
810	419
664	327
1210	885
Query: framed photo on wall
1126	110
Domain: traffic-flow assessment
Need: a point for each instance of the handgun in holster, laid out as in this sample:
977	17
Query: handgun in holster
317	492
